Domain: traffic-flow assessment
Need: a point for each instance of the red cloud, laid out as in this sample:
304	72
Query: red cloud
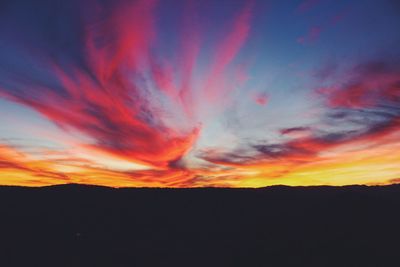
371	84
261	99
103	100
109	97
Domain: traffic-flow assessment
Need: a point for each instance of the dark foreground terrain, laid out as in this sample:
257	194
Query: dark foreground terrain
278	226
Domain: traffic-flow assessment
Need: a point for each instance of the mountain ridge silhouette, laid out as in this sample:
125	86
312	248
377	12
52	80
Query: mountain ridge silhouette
79	225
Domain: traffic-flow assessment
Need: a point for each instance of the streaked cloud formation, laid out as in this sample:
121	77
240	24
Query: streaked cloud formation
186	93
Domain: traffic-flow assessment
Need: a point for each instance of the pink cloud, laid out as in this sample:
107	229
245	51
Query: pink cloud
261	99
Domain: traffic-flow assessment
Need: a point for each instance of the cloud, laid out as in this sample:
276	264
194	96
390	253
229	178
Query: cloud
371	84
261	98
99	85
100	74
217	84
360	133
394	181
296	132
93	92
15	163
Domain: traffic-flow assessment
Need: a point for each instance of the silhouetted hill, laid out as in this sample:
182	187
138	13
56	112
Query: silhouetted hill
76	225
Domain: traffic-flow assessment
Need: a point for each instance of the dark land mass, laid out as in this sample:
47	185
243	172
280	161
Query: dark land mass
75	225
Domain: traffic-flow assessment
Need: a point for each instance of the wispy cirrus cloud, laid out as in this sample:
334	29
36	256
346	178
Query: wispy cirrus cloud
148	95
101	89
352	125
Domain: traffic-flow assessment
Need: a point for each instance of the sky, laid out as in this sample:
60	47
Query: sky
176	93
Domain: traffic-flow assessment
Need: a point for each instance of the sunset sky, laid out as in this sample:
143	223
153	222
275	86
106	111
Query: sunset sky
180	93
